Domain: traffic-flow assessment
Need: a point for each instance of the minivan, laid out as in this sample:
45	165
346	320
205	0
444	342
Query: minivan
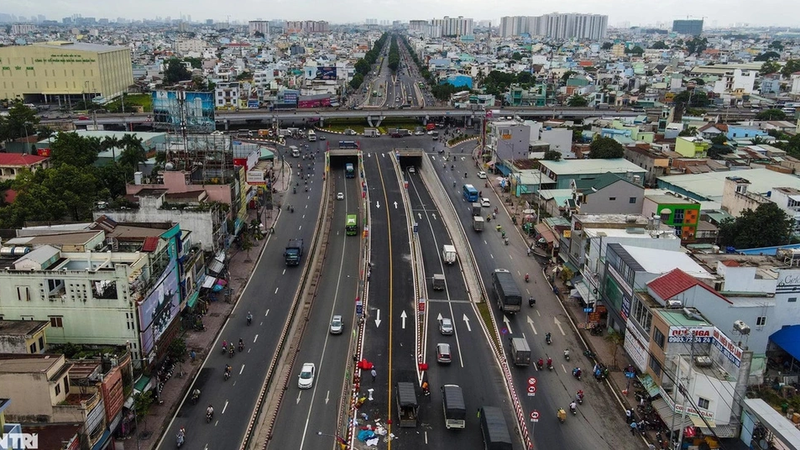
443	353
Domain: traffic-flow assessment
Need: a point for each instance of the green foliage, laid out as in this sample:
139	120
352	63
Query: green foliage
70	148
357	80
258	34
177	349
696	45
694	98
567	74
176	71
720	139
577	101
444	91
792	146
552	155
659	45
197	63
516	56
362	67
21	121
142	403
607	45
393	61
605	148
636	50
767	56
691	131
767	226
769	67
246	75
791	66
771	114
776	45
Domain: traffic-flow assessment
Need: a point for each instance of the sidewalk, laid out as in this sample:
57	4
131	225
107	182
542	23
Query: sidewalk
239	268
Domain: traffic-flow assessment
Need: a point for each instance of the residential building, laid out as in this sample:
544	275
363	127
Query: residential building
691	27
788	199
44	71
454	26
23	336
736	197
682	214
655	163
258	26
607	194
12	163
22	28
184	46
709	186
691	146
226	95
564	171
556	25
508	141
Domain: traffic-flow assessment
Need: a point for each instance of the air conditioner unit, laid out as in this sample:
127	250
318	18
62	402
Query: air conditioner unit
674	304
741	327
702	361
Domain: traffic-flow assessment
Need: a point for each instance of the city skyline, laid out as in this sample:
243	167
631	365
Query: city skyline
723	13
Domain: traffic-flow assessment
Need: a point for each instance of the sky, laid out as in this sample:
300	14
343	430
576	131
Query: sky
782	13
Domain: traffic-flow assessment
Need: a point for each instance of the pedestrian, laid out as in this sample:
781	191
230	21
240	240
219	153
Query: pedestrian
479	413
374	374
628	415
633	427
192	355
651	447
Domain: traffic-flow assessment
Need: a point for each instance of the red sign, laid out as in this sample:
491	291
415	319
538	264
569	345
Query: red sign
534	415
531	381
531	390
421	305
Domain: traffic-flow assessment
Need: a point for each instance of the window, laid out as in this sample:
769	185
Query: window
58	389
32	348
41	342
761	321
702	403
66	385
632	200
677	217
792	299
57	322
656	366
23	294
612	199
658	337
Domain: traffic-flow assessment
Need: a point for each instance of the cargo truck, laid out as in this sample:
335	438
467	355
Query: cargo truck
293	252
477	223
494	429
476	209
438	282
449	254
520	351
407	407
455	412
509	299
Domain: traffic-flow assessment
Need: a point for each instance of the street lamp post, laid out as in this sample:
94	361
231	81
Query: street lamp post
338	439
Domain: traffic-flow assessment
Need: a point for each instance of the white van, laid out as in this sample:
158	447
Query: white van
295	151
312	137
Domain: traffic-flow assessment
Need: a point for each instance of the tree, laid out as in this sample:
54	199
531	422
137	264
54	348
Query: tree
776	45
767	56
691	131
70	148
659	45
720	139
258	34
607	46
567	74
694	98
767	226
605	148
133	153
771	114
769	67
141	406
696	45
576	101
362	66
245	75
791	66
176	71
516	56
21	121
357	80
636	50
552	155
197	63
75	187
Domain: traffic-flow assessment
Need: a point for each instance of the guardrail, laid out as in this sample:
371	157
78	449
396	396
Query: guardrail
475	286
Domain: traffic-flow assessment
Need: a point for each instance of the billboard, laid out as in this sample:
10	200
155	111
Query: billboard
160	308
326	73
290	97
197	107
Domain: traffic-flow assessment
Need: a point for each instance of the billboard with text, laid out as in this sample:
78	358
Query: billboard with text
171	107
326	73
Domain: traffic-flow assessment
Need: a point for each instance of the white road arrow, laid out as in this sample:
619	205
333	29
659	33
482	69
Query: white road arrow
395	205
558	324
378	319
298	396
434	216
439	317
419	215
327	397
466	322
378	205
508	324
403	316
530	322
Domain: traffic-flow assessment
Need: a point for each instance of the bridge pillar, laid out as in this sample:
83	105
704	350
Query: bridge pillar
227	123
380	119
321	122
369	121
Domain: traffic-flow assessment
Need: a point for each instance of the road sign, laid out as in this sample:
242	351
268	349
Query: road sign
587	310
534	416
531	391
532	381
359	310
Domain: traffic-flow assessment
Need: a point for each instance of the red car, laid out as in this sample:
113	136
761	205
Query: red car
83	118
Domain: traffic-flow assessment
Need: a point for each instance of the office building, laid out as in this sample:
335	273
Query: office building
556	25
690	27
42	72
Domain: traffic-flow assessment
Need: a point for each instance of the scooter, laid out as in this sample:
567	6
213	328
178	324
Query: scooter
579	397
576	373
227	375
209	416
180	438
241	347
540	364
548	339
505	239
549	363
294	190
573	410
531	302
566	355
195	396
231	352
249	319
527	278
562	415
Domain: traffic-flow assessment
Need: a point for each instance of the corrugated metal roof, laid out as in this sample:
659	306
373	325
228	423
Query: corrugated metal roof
150	244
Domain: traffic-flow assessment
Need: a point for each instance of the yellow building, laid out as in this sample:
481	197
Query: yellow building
42	72
691	147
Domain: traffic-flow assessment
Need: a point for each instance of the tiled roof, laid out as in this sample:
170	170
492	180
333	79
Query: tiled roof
18	159
676	281
150	244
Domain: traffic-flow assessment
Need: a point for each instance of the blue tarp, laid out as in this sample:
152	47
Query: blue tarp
788	338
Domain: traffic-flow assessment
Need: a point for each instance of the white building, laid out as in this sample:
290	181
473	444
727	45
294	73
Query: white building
557	25
184	46
454	26
226	95
736	80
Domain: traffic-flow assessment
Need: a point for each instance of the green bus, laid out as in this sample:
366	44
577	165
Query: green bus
351	226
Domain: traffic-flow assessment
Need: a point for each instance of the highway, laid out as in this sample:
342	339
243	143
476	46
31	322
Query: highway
305	412
268	296
600	421
473	367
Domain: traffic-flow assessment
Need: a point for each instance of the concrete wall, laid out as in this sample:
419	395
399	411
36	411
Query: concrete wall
200	223
614	199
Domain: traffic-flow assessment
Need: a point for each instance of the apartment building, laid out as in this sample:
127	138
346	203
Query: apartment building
556	25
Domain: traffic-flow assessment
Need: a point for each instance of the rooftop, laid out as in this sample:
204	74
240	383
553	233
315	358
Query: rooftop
591	166
676	317
676	282
21	327
16	159
24	363
662	261
61	45
711	185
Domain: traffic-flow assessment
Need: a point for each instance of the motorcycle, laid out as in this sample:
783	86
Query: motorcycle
576	373
231	352
241	347
589	354
505	240
579	397
291	209
209	416
249	319
548	339
527	278
181	438
540	364
465	174
549	363
573	409
566	355
224	348
294	190
195	396
227	375
562	415
531	302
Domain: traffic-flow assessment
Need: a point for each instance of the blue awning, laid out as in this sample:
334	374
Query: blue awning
103	442
788	338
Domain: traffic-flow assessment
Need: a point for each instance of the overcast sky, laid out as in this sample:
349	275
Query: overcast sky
636	12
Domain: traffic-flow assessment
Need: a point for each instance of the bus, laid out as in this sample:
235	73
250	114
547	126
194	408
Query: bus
348	144
351	226
350	172
470	193
312	137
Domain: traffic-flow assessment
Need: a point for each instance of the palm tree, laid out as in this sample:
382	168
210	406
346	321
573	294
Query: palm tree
133	152
110	143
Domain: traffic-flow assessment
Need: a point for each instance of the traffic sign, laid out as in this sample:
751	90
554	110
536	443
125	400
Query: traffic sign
531	381
531	391
587	310
534	416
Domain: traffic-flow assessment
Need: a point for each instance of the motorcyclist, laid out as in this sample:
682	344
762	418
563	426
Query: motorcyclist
540	363
562	415
576	372
249	317
224	345
531	301
210	410
228	368
566	354
579	396
425	389
548	338
573	407
241	344
549	362
527	277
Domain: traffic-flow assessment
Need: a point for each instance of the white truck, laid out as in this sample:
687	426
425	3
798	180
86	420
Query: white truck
449	254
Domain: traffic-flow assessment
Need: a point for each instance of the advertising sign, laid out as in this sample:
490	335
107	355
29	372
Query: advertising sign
160	307
290	97
636	346
326	73
198	107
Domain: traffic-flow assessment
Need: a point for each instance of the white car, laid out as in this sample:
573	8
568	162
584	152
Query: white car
337	324
485	202
411	169
306	378
419	133
482	175
340	196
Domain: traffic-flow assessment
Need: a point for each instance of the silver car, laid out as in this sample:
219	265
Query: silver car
337	324
446	326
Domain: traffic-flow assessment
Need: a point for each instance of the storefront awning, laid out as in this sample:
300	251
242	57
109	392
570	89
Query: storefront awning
788	338
209	282
545	232
649	385
216	266
669	416
586	292
103	441
141	383
193	299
